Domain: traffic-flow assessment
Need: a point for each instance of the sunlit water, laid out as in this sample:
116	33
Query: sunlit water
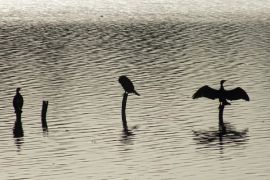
73	57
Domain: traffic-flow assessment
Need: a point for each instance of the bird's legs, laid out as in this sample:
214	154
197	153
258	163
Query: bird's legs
224	102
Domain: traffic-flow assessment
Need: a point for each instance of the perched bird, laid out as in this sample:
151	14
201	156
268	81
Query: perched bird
127	85
222	94
18	101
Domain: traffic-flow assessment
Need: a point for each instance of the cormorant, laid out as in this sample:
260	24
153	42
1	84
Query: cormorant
18	101
222	94
127	85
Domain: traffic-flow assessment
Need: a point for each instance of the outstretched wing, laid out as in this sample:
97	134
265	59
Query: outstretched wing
207	92
235	94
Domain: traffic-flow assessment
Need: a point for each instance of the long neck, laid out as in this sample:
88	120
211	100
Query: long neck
221	86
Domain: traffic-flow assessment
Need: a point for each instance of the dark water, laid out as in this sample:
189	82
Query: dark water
75	65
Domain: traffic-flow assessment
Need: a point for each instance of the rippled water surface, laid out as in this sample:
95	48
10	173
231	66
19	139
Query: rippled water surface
72	57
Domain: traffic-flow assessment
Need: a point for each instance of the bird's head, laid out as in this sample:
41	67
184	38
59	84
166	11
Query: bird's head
222	82
18	90
122	78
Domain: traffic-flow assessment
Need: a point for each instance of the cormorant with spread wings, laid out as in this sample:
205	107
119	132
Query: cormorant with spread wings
222	94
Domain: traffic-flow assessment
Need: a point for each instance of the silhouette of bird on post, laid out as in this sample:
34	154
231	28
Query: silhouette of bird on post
129	88
222	94
127	85
18	101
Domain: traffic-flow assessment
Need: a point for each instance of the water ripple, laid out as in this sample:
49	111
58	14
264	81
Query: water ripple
75	66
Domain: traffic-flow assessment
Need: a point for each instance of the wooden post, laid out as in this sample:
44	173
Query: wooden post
124	121
43	115
222	127
18	129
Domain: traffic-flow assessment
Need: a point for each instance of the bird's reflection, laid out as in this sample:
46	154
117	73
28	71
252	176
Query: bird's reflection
18	142
18	129
214	136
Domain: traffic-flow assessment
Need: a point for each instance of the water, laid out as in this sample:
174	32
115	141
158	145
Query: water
73	57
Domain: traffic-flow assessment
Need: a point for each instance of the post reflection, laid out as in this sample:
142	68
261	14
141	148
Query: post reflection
127	138
214	136
128	135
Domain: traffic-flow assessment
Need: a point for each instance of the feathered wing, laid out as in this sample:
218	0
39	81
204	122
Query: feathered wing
21	101
237	93
18	102
127	85
207	92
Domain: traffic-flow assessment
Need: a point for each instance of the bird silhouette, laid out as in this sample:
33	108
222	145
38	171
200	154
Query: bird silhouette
222	94
127	85
18	101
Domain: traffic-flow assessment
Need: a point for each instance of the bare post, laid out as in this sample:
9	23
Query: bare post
124	121
222	127
43	115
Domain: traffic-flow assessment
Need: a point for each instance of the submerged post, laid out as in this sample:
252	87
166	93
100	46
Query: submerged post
124	121
43	115
222	127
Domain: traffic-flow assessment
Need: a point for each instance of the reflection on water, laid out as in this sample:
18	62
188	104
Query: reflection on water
127	137
76	65
18	142
231	136
18	129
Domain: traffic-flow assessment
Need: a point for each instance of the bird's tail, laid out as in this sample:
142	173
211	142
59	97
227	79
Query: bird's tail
135	92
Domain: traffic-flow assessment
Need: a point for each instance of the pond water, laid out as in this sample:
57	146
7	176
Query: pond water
71	54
